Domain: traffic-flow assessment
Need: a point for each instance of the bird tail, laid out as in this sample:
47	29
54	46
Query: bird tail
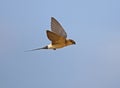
46	47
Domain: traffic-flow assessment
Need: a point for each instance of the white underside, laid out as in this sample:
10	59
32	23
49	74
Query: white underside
50	46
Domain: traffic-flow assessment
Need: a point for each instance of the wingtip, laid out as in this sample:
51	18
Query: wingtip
52	18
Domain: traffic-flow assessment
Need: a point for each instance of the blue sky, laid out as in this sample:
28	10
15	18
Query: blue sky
94	62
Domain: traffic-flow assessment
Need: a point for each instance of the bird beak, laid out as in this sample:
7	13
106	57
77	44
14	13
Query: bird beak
74	42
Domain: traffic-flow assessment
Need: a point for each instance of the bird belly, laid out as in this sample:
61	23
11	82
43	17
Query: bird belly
56	46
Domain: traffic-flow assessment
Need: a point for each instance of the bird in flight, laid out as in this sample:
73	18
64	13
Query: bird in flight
57	36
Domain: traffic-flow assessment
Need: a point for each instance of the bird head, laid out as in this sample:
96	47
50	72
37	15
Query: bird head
70	42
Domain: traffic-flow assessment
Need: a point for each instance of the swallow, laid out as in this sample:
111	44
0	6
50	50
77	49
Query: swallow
57	36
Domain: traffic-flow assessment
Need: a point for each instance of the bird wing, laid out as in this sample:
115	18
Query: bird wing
54	38
57	28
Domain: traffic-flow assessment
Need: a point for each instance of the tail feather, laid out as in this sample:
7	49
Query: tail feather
46	47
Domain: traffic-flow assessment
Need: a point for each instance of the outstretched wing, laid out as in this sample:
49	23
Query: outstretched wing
54	38
57	28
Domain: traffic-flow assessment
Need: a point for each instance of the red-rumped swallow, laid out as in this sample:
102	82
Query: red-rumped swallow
57	36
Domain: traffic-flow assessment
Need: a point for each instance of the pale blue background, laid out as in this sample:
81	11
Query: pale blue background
94	62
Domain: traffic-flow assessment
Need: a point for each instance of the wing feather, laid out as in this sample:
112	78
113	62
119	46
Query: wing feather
57	28
54	38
